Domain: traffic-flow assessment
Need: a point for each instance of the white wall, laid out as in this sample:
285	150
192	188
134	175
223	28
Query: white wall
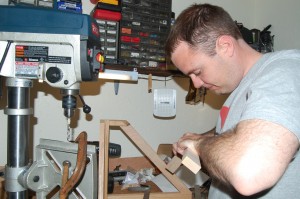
134	103
284	17
240	10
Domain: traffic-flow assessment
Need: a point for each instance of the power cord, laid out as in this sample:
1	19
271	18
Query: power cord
2	63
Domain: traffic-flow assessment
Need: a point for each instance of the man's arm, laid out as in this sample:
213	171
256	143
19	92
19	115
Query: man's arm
251	157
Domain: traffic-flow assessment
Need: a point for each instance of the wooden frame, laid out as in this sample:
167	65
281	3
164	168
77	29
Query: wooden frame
135	138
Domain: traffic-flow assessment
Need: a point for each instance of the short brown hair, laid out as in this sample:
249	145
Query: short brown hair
200	25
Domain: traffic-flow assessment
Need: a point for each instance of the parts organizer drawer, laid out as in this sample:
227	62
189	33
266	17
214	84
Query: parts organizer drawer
109	36
144	28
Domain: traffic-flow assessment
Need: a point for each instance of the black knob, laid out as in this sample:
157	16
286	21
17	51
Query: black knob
86	109
53	74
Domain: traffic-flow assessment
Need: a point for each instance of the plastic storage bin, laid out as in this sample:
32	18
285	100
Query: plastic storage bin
144	27
109	38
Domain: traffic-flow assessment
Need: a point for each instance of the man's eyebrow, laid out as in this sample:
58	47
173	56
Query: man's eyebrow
191	71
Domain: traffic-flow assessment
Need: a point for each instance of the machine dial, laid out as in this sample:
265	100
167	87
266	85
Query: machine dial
54	74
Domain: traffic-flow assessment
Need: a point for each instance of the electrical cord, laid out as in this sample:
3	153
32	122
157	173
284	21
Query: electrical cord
2	62
5	54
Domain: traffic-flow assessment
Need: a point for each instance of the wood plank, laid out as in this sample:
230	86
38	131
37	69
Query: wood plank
191	161
135	163
174	164
103	160
151	154
152	196
116	122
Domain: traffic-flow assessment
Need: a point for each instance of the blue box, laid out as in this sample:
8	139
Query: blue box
69	6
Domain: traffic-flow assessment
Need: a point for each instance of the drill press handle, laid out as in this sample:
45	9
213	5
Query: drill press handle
79	169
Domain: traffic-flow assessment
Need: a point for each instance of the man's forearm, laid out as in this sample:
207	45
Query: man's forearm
251	157
210	133
214	152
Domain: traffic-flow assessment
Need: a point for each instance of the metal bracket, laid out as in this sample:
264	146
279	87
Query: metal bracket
45	174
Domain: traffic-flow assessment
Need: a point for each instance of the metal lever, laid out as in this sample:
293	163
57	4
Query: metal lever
80	166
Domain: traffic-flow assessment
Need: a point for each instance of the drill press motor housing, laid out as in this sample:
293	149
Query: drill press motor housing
50	45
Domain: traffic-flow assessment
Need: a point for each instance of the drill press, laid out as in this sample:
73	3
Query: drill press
60	48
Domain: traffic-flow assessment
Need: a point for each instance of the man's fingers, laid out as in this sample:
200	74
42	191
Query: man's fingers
175	148
178	149
188	140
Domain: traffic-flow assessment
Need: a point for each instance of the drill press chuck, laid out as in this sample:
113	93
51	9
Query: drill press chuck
69	105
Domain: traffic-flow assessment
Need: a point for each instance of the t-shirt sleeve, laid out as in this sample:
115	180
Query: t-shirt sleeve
275	96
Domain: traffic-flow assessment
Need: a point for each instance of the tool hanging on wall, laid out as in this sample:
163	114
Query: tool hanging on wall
150	83
261	41
195	95
202	93
116	86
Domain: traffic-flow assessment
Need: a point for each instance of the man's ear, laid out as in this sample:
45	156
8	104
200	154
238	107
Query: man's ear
224	45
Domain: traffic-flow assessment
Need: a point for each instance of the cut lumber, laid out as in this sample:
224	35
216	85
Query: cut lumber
174	164
189	160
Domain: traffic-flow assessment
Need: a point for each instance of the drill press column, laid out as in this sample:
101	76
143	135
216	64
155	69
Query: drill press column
18	111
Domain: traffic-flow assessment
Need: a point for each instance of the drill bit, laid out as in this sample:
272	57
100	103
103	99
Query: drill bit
70	131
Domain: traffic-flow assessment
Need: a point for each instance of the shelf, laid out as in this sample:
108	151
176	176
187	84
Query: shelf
146	70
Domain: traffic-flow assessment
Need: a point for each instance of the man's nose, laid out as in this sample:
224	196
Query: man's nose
197	81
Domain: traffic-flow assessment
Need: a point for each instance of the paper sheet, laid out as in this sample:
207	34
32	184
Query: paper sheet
163	183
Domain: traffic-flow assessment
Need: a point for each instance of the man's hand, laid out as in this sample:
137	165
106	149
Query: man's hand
191	141
188	140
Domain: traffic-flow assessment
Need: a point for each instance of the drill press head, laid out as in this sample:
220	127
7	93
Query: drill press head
60	48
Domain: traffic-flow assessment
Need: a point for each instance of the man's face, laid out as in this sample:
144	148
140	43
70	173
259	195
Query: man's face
215	73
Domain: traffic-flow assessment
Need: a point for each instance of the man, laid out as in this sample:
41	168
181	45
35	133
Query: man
253	151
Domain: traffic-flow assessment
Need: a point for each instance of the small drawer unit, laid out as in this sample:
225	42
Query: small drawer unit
144	27
109	38
42	3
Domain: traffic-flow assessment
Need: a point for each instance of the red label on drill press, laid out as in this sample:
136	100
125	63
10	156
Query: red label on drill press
95	29
31	53
27	60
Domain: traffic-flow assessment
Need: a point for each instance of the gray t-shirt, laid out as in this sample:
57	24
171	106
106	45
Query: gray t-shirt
270	91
